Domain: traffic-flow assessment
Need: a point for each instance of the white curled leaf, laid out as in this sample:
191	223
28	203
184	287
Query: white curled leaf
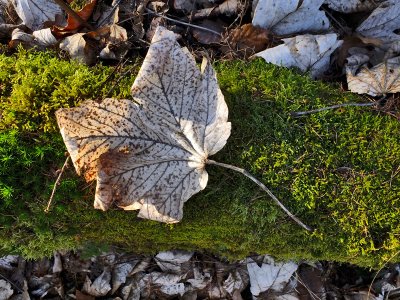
351	6
379	80
270	275
119	274
151	155
306	52
44	37
5	290
78	49
289	17
171	261
383	23
34	13
100	286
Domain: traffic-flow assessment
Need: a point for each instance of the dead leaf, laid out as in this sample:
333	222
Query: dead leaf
164	284
151	155
292	16
7	29
237	281
81	296
44	37
270	275
57	265
351	6
73	25
5	290
119	274
8	262
227	8
19	37
383	23
78	48
381	79
100	286
306	52
34	13
173	261
247	40
191	5
208	37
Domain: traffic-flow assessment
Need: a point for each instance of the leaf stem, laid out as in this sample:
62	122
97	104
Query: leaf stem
260	184
56	184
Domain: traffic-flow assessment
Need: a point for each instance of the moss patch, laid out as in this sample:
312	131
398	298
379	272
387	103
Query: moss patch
336	170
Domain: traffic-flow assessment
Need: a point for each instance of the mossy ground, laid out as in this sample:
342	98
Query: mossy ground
336	170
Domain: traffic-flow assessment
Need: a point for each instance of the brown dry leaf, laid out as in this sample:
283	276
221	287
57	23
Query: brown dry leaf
74	25
208	37
81	296
381	79
247	40
151	155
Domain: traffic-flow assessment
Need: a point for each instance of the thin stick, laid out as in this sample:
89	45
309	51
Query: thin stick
56	184
180	22
260	184
308	112
73	14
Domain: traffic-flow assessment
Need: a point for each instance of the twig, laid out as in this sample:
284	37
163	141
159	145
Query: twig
308	112
73	14
181	22
260	184
56	184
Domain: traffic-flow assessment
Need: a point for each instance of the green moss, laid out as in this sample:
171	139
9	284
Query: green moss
336	170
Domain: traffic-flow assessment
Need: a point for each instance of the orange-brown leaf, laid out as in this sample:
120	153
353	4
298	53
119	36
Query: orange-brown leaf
73	25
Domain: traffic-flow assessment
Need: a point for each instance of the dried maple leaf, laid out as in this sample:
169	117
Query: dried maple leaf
381	79
151	156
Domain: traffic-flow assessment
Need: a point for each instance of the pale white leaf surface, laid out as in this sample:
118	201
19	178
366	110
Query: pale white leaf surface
100	286
119	274
168	284
379	80
236	281
270	275
5	290
306	52
7	262
44	37
78	49
383	23
151	155
171	261
34	13
351	6
292	16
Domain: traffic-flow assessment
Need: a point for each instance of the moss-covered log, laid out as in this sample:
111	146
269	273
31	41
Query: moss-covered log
336	170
